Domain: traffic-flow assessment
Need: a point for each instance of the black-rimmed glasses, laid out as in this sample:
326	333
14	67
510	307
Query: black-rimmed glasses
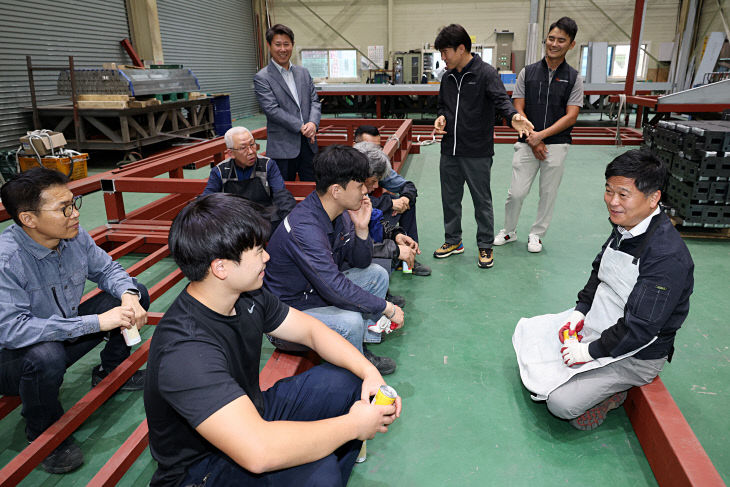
68	210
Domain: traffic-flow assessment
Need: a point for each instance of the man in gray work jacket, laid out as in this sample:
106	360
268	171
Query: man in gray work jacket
470	92
550	94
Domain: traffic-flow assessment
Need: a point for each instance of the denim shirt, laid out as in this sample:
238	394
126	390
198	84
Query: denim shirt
40	288
393	182
308	253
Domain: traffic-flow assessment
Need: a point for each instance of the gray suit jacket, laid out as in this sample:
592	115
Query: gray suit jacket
283	122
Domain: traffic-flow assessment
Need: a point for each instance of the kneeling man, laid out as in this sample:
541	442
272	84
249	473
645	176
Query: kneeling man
209	422
622	329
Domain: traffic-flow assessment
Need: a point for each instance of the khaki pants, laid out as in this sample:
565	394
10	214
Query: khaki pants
524	169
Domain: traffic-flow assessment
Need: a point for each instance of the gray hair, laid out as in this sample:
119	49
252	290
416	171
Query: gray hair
378	161
234	131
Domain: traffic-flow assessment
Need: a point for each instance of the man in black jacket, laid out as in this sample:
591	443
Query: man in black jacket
550	93
637	294
470	92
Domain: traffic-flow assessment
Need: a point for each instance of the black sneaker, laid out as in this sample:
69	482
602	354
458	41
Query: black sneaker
135	383
421	270
385	365
399	301
66	458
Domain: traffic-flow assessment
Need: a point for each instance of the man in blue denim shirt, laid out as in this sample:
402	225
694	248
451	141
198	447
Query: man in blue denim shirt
45	260
398	206
321	256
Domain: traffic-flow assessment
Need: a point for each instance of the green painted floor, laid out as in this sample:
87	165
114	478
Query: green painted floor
466	418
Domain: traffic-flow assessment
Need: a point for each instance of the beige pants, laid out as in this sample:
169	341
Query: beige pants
524	169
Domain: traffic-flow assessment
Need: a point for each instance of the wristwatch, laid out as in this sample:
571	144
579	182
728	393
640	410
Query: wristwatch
134	291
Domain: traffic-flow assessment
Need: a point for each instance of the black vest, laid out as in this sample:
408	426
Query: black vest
545	100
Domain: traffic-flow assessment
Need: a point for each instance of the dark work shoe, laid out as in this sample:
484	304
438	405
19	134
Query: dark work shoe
135	383
385	365
486	259
66	458
399	301
421	270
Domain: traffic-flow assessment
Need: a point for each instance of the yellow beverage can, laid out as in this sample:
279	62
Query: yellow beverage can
385	396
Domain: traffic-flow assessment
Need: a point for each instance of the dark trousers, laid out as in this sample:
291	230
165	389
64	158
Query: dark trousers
301	164
322	392
475	171
406	220
35	373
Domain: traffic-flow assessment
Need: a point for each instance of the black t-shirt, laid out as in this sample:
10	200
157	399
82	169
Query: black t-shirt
200	361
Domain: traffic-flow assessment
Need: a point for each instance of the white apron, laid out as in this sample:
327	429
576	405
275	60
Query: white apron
536	340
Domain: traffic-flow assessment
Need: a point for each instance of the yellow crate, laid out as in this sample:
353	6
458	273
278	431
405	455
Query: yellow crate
61	164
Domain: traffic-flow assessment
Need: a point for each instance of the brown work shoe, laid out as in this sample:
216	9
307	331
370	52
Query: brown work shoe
486	259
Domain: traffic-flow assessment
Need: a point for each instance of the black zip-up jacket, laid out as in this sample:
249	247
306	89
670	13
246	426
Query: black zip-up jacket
659	302
468	100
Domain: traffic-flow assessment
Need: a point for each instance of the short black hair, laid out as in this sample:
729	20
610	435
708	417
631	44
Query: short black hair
453	36
279	29
648	172
216	226
339	164
567	25
23	191
365	129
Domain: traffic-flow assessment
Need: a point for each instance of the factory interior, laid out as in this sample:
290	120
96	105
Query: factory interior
131	99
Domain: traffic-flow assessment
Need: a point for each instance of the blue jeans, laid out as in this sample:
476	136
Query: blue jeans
352	325
35	373
322	392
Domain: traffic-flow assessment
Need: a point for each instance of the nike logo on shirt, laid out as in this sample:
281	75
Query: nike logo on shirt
250	310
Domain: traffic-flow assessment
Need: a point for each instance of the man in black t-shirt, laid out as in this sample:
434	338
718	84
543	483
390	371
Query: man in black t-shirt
209	423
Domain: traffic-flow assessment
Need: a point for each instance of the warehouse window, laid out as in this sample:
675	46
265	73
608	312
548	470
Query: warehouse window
617	61
330	63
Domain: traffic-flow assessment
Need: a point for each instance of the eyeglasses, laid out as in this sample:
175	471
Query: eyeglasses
68	210
250	148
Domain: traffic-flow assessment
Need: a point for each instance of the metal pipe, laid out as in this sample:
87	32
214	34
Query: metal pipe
74	101
621	29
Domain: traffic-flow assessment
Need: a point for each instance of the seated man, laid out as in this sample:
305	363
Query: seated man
321	256
45	260
209	422
396	211
392	245
254	177
622	329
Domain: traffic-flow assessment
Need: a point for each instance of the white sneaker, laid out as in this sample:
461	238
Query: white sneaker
503	237
534	244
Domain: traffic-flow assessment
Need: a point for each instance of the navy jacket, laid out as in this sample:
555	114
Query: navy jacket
659	302
308	253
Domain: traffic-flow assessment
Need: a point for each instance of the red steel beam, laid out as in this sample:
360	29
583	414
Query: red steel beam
115	468
159	185
7	404
674	453
634	50
20	466
165	284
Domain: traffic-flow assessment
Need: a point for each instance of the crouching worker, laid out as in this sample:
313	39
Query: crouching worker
45	259
209	423
622	329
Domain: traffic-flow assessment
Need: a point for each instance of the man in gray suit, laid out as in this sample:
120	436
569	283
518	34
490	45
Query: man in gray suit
287	96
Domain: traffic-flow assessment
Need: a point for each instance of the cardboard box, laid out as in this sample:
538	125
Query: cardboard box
61	164
43	142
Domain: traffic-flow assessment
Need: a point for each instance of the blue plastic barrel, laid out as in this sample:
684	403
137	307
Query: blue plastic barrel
222	114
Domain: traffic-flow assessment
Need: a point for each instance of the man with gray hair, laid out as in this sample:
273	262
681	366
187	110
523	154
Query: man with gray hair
399	205
256	178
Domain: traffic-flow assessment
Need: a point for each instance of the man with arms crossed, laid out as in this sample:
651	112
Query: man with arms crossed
549	93
209	423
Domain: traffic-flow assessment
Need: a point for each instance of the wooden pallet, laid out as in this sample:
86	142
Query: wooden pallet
699	232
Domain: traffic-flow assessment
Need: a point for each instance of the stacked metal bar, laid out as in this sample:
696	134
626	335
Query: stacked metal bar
132	82
698	156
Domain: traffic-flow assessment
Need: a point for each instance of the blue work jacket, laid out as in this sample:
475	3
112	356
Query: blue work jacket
308	254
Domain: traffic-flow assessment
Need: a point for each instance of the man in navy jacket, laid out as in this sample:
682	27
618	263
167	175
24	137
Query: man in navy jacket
321	255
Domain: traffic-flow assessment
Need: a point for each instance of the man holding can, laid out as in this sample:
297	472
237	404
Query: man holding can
45	260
